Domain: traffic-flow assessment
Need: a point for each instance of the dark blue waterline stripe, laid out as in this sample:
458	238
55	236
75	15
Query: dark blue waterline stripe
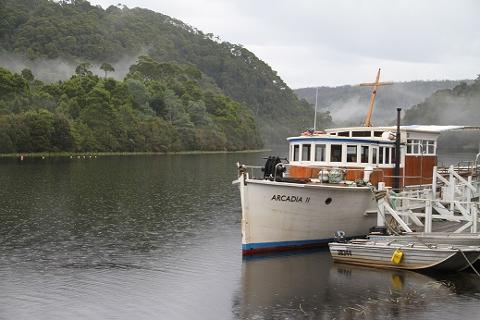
261	245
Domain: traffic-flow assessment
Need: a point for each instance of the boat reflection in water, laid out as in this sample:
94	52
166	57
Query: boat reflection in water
308	284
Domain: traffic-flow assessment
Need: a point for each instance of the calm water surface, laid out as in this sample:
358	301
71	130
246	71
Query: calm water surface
158	237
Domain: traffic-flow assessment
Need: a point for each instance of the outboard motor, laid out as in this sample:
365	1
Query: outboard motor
340	236
271	166
378	231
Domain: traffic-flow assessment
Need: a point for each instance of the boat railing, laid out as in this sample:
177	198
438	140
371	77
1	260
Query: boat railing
417	190
323	171
255	172
250	170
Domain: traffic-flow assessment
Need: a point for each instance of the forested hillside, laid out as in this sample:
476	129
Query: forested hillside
348	104
457	106
78	32
158	107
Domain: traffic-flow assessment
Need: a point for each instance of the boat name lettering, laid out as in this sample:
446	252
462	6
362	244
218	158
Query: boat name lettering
282	197
344	252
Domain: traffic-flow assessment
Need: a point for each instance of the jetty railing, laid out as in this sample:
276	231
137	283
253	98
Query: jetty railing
451	197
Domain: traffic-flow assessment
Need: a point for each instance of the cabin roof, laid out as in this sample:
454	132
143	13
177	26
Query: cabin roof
417	128
435	128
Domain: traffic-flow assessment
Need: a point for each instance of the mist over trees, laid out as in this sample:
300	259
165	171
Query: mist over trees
77	32
215	83
457	106
159	107
348	104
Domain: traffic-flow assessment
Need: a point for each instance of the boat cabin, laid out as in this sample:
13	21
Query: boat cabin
360	150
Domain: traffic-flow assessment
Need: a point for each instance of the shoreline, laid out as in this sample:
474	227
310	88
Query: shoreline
112	154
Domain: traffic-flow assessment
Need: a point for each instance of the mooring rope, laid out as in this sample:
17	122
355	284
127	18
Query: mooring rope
390	223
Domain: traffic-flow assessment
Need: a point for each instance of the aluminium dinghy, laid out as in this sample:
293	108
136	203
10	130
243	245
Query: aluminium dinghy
464	239
400	255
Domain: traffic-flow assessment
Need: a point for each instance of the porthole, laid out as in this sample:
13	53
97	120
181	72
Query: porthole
328	201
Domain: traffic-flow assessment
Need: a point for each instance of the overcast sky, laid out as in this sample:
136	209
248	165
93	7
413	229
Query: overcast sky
335	42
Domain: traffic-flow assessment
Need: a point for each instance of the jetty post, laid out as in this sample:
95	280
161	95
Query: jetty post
396	171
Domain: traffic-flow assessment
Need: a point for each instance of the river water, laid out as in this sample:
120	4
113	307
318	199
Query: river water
158	237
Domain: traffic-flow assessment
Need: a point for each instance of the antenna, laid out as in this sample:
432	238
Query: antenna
374	85
315	118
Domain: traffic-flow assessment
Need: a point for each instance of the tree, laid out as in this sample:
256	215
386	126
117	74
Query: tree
62	138
40	125
106	67
83	69
27	75
166	108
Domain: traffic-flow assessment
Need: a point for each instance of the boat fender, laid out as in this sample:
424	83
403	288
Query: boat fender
397	256
323	175
366	173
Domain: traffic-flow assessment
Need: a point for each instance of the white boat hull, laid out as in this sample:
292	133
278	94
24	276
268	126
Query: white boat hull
279	216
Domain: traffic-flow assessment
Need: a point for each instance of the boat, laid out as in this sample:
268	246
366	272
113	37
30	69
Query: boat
409	256
466	239
329	182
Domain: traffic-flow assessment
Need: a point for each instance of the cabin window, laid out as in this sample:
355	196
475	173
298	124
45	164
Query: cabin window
430	149
364	154
387	155
377	133
361	133
296	152
380	155
374	155
394	155
336	153
351	153
306	148
320	152
415	146
344	134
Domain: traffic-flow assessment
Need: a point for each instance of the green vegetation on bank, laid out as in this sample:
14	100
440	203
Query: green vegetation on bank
89	155
460	106
457	106
158	107
77	32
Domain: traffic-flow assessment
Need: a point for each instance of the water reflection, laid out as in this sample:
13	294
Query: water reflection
119	237
159	237
307	284
377	293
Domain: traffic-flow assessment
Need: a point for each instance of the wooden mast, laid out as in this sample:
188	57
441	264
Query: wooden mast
374	85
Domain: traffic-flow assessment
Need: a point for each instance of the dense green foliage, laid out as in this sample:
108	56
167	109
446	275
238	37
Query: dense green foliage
158	107
77	31
349	104
460	105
